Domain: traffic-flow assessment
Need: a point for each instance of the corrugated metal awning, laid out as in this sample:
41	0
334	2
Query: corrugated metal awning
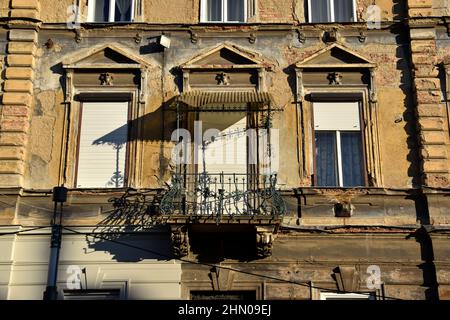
223	99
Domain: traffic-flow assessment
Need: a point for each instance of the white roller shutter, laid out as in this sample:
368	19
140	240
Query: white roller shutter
102	145
343	116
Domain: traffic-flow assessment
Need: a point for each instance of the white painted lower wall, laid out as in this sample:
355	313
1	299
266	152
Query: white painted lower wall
138	274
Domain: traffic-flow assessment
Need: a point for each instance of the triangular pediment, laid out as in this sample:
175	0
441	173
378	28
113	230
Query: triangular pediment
335	55
105	56
227	55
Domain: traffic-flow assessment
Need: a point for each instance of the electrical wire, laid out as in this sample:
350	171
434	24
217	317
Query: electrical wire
22	231
217	266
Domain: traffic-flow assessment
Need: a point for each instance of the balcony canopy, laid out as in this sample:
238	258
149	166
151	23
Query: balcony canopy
223	100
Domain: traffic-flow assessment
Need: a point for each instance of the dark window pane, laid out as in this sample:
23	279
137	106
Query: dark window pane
343	10
352	157
123	11
320	11
236	10
214	10
326	160
101	11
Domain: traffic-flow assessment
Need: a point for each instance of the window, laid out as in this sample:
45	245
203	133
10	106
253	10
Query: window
102	145
338	144
92	294
224	10
346	296
111	10
331	11
223	295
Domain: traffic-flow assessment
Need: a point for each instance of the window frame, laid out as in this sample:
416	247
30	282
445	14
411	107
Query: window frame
112	11
133	163
332	16
203	13
348	296
339	173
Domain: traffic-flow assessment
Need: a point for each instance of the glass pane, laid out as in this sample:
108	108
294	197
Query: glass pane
123	11
320	11
214	10
343	10
236	10
326	160
352	157
101	13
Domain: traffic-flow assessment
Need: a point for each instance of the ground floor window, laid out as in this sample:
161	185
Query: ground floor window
92	294
223	295
346	296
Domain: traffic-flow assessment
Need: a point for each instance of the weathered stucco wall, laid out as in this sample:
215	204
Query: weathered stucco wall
391	81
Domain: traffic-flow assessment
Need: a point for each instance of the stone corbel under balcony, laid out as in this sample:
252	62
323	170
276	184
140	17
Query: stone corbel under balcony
180	241
264	240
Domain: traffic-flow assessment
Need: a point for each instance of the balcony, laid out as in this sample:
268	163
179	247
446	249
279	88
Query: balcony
223	197
223	203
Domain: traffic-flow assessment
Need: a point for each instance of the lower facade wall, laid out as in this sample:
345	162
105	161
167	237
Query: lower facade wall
138	274
303	266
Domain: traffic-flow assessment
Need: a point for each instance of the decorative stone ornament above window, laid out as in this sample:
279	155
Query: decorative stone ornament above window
105	65
343	67
226	67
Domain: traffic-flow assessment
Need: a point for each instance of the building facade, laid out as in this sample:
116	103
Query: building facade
248	149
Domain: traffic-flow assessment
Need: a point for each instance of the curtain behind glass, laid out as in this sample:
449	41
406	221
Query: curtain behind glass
326	160
235	10
352	154
343	10
123	10
101	11
320	11
214	10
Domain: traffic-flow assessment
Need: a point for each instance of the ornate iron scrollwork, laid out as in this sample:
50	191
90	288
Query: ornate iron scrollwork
223	195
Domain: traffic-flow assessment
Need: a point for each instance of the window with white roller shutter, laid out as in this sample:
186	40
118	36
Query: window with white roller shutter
338	144
102	147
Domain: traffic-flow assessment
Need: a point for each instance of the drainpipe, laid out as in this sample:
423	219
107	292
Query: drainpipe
59	197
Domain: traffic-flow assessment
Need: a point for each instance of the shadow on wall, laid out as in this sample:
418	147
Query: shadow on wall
131	232
400	10
403	65
428	267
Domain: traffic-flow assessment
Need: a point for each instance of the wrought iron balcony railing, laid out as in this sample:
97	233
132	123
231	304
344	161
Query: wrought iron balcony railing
223	195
